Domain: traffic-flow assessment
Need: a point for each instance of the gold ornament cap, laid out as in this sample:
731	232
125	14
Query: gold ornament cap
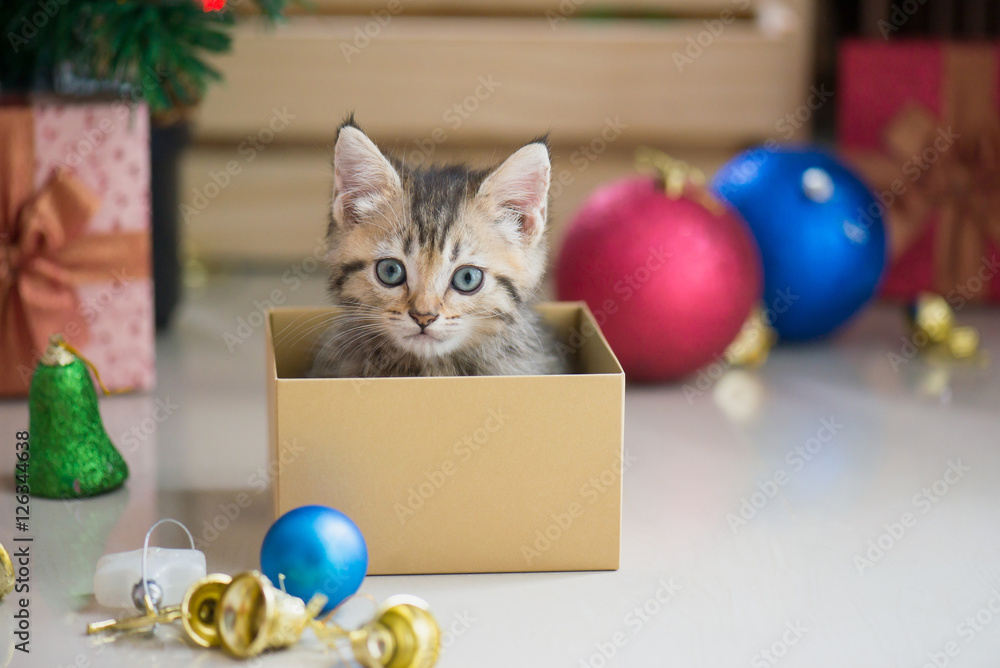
679	178
58	353
963	342
931	315
752	345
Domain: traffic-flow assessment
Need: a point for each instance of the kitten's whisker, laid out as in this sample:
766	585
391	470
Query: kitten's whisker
371	356
336	351
355	333
353	344
323	343
303	333
294	323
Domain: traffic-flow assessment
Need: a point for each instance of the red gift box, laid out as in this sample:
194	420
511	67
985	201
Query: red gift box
74	239
921	121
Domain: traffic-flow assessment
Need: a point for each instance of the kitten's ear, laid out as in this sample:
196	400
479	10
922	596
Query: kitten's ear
362	177
520	189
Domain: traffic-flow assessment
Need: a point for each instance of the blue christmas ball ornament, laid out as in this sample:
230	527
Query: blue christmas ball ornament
820	233
319	550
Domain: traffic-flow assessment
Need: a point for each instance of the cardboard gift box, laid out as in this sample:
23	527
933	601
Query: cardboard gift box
456	474
921	120
74	239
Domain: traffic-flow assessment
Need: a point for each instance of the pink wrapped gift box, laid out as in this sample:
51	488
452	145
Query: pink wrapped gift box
921	120
88	279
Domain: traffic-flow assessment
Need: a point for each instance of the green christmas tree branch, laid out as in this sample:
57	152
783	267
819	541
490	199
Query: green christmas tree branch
155	49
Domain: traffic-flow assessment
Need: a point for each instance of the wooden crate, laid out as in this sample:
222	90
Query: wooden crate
432	85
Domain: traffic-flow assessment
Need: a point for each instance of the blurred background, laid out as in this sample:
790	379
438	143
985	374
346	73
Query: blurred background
699	79
247	95
438	80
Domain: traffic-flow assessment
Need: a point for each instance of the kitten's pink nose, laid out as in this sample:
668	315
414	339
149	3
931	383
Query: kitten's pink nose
423	319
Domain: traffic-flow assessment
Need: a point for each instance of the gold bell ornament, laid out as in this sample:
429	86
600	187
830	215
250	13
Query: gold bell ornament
931	316
404	634
245	615
254	615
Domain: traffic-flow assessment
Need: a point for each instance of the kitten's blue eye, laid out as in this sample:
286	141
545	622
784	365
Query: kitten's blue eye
390	272
467	279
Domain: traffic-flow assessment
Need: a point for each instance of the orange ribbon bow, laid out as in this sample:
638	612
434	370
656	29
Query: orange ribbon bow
45	254
949	167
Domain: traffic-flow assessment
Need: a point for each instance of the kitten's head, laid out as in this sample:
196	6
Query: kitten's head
435	259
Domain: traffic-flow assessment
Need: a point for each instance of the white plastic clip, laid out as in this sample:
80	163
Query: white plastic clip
149	578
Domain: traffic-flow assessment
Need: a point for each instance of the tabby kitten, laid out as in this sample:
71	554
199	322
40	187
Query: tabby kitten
435	269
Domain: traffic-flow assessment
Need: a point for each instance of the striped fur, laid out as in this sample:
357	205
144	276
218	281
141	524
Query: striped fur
435	220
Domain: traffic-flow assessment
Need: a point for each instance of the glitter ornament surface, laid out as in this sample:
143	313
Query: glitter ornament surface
675	277
71	454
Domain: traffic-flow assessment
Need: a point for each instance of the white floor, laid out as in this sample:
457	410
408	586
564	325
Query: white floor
825	510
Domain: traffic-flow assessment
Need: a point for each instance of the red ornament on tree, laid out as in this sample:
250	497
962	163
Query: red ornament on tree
669	272
213	5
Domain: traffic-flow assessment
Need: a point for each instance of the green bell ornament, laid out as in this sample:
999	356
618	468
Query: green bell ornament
71	454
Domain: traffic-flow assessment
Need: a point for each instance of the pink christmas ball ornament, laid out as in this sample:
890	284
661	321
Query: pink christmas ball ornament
670	280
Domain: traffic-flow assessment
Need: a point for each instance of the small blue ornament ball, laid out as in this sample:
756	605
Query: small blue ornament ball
319	550
820	233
